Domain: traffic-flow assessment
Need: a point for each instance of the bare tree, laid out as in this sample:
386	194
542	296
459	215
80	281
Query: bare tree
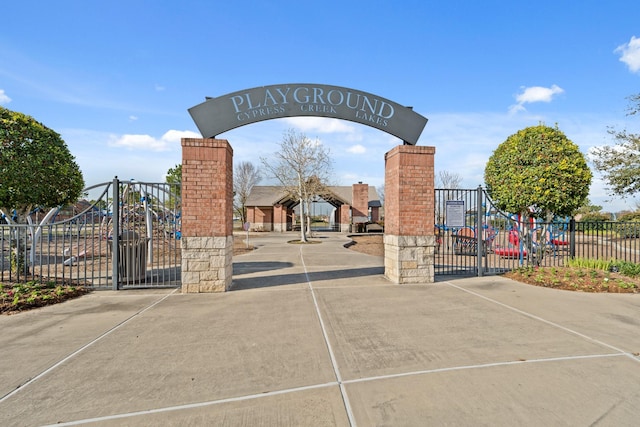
448	180
380	190
245	177
618	164
303	167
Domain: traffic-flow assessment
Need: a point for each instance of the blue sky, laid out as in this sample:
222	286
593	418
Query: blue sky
116	78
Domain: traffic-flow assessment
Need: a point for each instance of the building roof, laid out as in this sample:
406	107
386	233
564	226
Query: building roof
265	195
269	195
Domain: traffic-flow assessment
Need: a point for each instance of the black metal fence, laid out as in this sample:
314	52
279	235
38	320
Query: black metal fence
75	244
476	238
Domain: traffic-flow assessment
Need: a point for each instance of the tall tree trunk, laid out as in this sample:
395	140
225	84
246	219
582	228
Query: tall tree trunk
303	229
308	221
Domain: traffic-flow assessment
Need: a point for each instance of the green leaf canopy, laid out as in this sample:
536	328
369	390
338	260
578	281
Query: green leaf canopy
538	171
36	167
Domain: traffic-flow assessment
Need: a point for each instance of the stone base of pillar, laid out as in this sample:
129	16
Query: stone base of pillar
409	259
207	264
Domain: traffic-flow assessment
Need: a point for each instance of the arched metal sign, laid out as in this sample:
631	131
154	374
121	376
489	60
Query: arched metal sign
221	114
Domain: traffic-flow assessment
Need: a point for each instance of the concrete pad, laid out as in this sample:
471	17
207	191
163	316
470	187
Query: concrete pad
274	262
189	348
35	340
331	264
399	328
476	351
319	407
278	263
609	318
579	392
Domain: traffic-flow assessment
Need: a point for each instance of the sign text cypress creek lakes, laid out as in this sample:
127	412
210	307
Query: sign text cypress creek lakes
314	100
218	115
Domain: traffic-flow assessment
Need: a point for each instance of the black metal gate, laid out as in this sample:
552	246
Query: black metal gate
124	234
476	238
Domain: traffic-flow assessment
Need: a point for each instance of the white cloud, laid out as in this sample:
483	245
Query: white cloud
177	135
4	99
159	88
516	108
630	54
168	141
534	94
320	125
133	118
357	149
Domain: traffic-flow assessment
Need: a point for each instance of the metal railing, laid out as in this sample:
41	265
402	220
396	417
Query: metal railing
493	242
76	244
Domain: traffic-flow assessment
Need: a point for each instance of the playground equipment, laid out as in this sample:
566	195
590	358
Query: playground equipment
82	232
534	236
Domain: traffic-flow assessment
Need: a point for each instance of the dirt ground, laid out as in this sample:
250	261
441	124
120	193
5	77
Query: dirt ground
240	247
370	244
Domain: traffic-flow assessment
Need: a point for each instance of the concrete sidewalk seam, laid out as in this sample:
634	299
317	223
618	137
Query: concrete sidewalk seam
548	322
81	349
324	385
334	363
482	366
192	405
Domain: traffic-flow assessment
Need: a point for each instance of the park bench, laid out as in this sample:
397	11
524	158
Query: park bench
466	243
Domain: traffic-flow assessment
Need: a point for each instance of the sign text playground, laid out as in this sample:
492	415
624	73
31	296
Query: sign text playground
218	115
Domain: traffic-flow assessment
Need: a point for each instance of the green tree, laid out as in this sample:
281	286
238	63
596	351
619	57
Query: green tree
174	176
538	172
36	170
592	213
620	164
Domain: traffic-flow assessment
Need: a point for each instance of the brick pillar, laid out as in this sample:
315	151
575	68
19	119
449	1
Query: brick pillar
409	238
345	221
279	218
360	200
375	214
207	215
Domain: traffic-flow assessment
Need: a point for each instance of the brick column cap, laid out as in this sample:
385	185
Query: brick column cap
206	142
413	149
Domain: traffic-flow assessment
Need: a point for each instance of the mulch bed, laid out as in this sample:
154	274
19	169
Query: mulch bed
19	297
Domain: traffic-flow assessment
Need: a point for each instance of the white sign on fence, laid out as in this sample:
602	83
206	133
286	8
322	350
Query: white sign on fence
455	214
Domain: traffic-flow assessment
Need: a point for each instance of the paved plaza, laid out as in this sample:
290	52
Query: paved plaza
314	335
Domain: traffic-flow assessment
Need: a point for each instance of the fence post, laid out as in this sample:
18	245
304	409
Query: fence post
115	223
572	238
480	232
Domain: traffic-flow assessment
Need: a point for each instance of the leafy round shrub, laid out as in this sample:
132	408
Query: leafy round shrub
538	171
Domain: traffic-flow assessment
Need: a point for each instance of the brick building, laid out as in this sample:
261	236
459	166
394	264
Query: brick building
269	208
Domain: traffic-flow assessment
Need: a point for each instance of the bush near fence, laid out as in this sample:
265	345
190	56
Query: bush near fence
628	230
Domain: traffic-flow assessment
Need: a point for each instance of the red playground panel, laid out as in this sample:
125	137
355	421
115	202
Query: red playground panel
509	252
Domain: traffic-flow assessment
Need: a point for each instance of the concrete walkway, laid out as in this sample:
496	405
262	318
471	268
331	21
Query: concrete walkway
314	335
